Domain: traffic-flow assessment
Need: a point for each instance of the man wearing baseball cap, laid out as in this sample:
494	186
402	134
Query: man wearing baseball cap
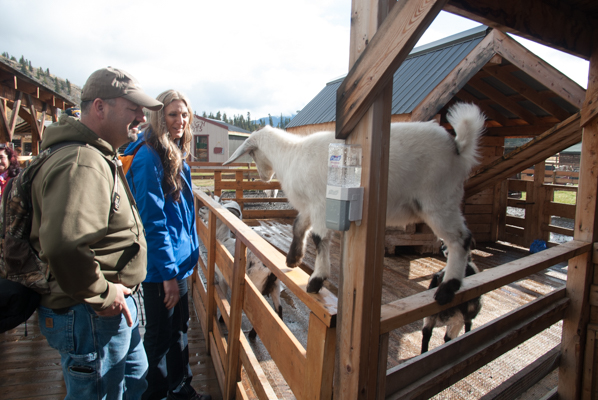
87	228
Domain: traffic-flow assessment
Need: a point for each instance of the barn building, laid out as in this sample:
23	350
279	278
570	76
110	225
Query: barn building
214	140
519	102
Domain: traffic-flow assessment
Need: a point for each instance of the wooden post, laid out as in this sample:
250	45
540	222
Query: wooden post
239	187
236	314
537	198
211	291
360	282
320	359
579	275
360	291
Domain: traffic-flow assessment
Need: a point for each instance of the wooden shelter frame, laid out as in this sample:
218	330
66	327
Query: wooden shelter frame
28	99
382	34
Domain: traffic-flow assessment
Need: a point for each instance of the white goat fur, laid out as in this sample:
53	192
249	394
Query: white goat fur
425	183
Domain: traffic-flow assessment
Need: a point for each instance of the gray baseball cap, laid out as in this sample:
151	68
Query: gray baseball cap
110	83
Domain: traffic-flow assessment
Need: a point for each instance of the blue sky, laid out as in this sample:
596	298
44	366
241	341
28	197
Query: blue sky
234	56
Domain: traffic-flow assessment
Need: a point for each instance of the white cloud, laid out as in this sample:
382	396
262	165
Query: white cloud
235	56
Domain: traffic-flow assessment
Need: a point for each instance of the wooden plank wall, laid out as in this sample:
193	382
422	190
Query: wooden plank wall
480	209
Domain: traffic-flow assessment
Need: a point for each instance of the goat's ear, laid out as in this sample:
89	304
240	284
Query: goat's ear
210	193
245	148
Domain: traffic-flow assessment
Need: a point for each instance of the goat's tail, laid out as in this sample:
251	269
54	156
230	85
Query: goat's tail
468	122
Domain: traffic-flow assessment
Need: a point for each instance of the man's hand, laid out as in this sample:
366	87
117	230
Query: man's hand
171	293
119	305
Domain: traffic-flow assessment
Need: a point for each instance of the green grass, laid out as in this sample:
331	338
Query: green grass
565	197
560	196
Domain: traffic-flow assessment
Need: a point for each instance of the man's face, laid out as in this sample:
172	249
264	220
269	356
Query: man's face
122	119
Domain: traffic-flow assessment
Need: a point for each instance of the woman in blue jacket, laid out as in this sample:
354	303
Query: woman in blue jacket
160	180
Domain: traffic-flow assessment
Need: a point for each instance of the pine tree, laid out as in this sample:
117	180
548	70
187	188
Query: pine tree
38	75
270	120
218	116
68	86
13	58
204	114
48	72
56	86
224	118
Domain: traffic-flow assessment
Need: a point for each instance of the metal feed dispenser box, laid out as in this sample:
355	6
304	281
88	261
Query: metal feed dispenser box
344	196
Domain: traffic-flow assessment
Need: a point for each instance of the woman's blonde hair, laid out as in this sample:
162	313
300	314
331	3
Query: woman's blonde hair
171	154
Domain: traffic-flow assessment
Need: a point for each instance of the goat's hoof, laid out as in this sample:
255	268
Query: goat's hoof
315	284
293	262
446	291
252	334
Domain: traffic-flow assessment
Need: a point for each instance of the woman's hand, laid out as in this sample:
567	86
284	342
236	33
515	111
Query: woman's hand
171	293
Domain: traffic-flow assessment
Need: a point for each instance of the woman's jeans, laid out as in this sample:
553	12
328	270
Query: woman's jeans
102	357
165	343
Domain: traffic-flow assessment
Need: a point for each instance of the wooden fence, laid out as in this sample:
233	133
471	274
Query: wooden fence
240	178
553	176
307	371
432	372
539	207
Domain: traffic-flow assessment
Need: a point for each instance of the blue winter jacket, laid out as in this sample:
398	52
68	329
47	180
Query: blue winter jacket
172	243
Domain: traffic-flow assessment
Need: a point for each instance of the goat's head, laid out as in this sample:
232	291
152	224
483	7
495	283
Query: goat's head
252	146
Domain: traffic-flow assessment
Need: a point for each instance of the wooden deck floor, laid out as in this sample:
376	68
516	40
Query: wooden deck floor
30	369
406	274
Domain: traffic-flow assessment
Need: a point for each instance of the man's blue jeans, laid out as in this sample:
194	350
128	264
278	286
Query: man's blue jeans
102	357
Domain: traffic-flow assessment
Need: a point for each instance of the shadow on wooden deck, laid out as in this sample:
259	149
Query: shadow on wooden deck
31	368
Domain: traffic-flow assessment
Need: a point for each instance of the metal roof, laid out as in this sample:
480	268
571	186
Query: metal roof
231	128
421	71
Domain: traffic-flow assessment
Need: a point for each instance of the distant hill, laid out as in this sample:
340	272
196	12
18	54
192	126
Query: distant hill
44	77
275	120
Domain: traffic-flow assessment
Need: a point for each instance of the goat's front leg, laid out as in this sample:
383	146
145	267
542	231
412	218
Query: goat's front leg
458	251
322	267
301	226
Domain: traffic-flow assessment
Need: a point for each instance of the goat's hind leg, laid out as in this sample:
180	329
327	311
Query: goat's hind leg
301	226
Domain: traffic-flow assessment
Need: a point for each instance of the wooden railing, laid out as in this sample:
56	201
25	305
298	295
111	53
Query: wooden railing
307	371
539	206
553	176
428	374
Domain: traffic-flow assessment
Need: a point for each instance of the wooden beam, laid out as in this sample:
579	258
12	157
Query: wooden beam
484	105
538	69
455	80
362	248
555	24
12	95
398	34
414	308
495	95
236	316
561	136
580	271
518	131
527	377
36	134
503	75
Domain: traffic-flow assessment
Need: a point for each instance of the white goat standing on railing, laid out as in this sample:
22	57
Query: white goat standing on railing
427	168
264	280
